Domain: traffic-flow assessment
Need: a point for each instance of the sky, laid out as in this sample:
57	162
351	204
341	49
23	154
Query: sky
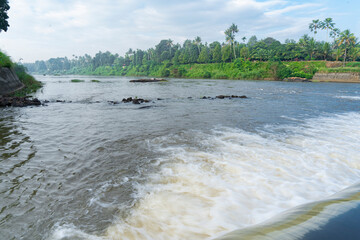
43	29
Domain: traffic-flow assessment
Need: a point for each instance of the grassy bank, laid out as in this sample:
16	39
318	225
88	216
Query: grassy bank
31	84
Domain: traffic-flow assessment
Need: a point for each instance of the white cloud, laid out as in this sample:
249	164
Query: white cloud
40	29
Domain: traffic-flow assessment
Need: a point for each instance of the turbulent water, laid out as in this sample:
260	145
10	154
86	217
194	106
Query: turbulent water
179	167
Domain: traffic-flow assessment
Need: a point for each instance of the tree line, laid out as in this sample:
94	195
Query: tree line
340	45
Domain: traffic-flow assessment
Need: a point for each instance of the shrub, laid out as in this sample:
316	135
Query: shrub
206	74
302	75
165	72
279	71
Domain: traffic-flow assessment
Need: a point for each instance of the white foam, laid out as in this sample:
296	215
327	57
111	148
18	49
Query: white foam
349	97
71	232
231	178
237	179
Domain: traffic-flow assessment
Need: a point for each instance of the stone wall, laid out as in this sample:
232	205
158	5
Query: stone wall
337	77
9	82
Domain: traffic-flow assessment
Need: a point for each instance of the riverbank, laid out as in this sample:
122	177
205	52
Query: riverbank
238	70
16	84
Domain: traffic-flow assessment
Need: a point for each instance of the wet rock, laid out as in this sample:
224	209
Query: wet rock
113	102
149	80
135	100
145	107
296	79
18	102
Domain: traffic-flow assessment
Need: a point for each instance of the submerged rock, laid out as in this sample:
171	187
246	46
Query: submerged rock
18	102
149	80
230	97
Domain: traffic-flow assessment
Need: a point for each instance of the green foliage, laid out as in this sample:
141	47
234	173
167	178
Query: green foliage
77	80
95	81
226	53
204	56
353	64
216	55
5	61
4	7
165	72
279	71
30	83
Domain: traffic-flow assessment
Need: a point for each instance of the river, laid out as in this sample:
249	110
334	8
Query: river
178	167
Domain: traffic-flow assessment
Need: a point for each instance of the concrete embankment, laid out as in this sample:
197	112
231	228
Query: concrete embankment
337	77
9	81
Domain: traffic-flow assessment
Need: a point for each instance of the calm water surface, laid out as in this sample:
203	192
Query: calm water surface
179	167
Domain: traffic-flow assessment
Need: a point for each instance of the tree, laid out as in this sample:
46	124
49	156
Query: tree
170	44
229	36
204	56
252	41
314	26
216	56
244	52
197	42
335	33
346	39
327	24
355	53
326	50
234	29
226	53
4	7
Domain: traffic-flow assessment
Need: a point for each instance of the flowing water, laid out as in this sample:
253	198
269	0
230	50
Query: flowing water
179	167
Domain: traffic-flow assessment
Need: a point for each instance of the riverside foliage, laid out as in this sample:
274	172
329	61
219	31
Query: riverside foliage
254	59
31	84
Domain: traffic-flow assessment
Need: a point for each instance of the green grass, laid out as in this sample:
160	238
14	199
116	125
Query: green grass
31	84
353	64
77	80
94	80
340	70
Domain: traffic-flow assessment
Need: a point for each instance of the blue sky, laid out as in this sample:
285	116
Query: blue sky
41	29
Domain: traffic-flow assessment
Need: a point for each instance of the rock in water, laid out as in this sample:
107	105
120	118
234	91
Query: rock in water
18	102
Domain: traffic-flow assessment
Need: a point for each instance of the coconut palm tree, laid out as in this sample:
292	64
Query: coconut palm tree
346	39
327	24
315	25
335	33
355	53
234	29
170	44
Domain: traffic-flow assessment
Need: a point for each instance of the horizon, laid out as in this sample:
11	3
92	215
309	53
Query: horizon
42	30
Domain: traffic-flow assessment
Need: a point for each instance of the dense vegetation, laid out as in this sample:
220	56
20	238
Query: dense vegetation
31	85
4	7
254	59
